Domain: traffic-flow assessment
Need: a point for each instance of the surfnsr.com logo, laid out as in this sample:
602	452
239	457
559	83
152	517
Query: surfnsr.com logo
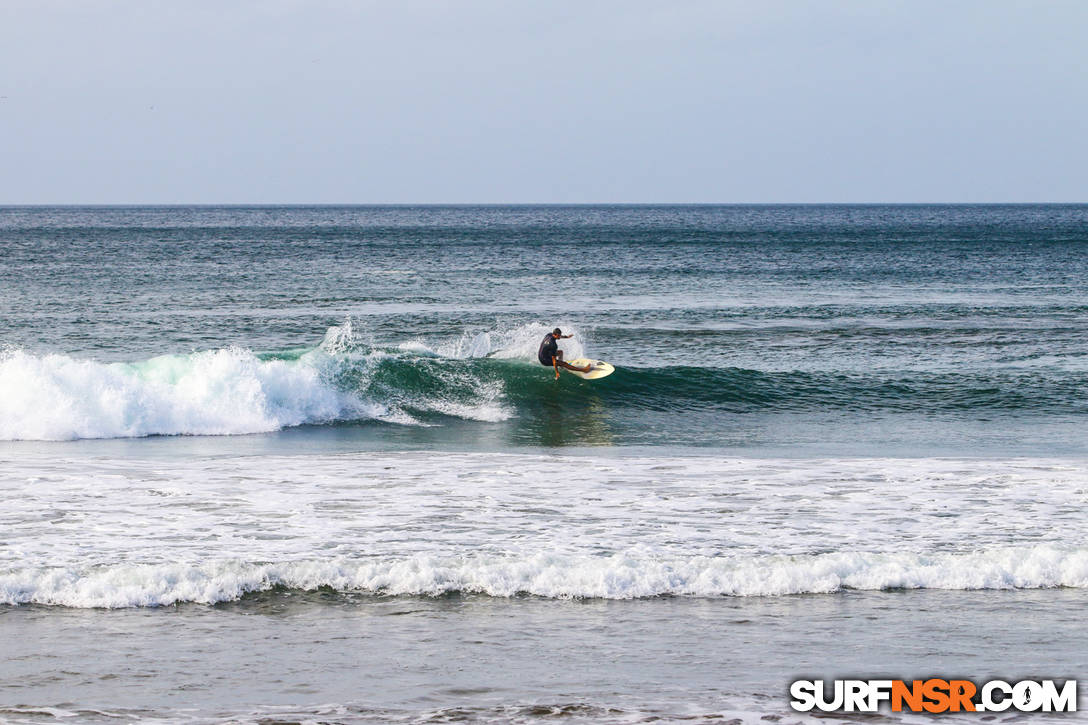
934	695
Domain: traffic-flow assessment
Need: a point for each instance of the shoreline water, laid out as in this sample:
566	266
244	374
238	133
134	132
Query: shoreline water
357	660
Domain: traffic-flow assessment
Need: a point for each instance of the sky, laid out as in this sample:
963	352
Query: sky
510	101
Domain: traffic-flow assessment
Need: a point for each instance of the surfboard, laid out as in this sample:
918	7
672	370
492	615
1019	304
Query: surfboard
600	369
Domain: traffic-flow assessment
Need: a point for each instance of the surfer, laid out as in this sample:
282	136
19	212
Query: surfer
551	355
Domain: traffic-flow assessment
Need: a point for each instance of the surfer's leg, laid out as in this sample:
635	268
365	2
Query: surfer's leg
561	363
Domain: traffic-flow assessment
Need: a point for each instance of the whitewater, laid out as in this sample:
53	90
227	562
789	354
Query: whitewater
132	533
234	391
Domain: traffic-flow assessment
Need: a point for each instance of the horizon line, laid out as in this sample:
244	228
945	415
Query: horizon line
183	204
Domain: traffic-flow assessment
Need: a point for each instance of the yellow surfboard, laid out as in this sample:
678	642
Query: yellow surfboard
600	368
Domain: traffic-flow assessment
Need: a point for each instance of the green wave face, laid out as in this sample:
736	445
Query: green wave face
649	405
490	389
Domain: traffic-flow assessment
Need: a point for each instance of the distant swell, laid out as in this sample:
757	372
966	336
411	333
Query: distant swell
620	576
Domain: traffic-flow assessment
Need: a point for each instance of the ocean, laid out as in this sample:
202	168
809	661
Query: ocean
300	464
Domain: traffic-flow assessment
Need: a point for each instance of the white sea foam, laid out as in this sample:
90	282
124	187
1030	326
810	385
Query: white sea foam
625	575
101	532
219	392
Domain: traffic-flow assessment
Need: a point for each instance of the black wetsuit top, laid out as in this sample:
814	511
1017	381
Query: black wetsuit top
548	348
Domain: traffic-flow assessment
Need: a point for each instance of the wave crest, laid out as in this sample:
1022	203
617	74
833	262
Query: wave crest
220	392
233	391
627	575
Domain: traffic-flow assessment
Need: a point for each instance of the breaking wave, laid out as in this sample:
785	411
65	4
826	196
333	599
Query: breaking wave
235	391
627	575
488	376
